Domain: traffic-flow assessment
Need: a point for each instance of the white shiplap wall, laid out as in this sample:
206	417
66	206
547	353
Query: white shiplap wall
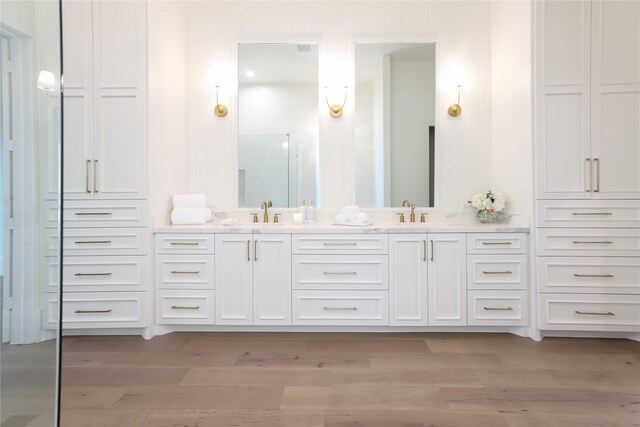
462	31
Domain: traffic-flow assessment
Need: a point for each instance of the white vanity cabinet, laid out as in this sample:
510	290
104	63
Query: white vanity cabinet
408	279
447	279
253	279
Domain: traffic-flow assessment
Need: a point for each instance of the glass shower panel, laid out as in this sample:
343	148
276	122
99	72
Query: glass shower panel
30	149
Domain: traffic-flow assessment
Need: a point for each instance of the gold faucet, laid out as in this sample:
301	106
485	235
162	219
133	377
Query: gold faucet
266	205
410	204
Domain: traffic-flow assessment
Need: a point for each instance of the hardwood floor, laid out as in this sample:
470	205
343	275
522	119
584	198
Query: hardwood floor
340	380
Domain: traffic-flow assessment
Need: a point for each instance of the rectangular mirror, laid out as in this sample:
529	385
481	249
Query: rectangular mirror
394	124
278	127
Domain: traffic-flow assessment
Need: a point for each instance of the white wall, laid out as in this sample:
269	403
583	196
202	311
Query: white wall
463	35
511	104
167	161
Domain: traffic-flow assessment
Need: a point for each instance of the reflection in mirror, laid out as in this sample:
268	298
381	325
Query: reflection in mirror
394	124
278	124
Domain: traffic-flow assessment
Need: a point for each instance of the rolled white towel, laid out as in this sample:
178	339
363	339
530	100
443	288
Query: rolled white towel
342	218
184	216
183	201
359	218
350	209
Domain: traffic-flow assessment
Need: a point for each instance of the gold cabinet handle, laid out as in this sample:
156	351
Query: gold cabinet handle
593	275
590	189
495	243
93	311
87	175
339	272
255	250
497	272
498	308
95	176
185	307
92	213
595	313
92	274
86	242
597	162
590	213
340	308
432	251
248	250
185	272
339	243
593	242
184	243
424	250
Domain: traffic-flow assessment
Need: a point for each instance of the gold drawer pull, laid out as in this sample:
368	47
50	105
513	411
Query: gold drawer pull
92	274
497	272
592	275
340	308
495	243
498	308
93	311
593	242
340	244
339	272
595	313
185	272
88	242
591	213
184	307
184	243
91	213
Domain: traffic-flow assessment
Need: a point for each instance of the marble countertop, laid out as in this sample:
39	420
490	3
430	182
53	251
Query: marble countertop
515	225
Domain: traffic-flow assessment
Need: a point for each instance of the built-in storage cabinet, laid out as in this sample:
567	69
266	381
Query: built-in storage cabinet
588	99
447	279
408	279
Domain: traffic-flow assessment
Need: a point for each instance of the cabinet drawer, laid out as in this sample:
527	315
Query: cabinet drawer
497	271
595	275
98	274
497	243
104	310
98	213
184	243
184	271
588	242
340	244
582	312
499	308
184	307
588	213
104	241
340	308
345	272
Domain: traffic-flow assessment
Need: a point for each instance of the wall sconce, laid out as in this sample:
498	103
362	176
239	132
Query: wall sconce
220	109
455	109
47	81
335	110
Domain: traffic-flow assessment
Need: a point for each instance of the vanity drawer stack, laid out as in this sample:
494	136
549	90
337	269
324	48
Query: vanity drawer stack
184	277
589	265
497	279
340	279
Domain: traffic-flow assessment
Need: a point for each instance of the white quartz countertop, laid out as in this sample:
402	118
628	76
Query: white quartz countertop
519	225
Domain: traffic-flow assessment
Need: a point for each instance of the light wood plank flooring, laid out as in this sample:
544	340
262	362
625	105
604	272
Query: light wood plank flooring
340	380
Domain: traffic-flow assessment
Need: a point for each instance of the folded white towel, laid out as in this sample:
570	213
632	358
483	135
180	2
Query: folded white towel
350	209
181	201
358	218
184	216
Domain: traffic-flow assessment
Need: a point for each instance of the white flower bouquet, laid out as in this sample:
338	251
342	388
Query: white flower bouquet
488	205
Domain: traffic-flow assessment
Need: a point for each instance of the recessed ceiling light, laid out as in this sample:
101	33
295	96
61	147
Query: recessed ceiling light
249	73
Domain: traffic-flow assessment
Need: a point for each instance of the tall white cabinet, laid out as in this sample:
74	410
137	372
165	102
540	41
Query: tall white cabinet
587	110
104	62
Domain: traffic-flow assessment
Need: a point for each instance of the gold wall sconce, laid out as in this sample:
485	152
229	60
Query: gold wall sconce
220	109
335	110
455	109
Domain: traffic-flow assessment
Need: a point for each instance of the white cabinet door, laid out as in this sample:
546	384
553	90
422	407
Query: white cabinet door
272	279
408	279
234	279
562	52
615	99
447	279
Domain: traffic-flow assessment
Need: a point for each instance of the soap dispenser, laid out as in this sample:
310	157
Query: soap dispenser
310	212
